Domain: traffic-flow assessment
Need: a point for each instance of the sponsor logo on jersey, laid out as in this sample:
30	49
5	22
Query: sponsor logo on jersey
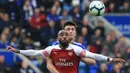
55	53
64	63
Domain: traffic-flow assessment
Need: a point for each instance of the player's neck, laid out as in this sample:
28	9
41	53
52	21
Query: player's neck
72	40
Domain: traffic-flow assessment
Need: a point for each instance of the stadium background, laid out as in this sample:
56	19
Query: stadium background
34	24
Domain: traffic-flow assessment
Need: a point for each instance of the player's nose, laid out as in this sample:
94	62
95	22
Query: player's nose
64	36
71	31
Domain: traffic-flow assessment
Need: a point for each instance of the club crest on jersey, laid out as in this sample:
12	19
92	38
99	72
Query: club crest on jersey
55	53
70	53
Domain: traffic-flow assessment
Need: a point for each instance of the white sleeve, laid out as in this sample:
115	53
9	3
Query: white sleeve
84	53
32	52
47	51
98	57
78	50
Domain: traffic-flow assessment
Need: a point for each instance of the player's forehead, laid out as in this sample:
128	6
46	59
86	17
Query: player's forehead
69	27
61	32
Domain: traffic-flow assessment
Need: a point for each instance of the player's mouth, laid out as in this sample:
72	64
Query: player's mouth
64	40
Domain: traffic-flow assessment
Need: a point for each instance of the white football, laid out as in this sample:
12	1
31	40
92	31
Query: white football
97	8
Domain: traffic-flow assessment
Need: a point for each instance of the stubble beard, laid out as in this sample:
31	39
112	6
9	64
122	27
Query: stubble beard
63	44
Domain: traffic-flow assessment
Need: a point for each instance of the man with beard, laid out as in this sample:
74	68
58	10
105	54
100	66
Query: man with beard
64	56
70	27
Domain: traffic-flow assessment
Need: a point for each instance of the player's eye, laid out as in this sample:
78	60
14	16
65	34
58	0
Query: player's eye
67	34
61	34
72	29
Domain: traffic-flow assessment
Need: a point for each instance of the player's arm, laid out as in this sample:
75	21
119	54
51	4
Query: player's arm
99	57
50	66
27	52
84	53
88	60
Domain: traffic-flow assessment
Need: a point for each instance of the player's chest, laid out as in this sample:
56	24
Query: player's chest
63	54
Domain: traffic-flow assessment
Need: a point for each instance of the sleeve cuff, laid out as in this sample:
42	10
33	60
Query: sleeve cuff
109	59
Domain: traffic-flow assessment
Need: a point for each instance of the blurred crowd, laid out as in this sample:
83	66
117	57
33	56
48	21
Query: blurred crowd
34	24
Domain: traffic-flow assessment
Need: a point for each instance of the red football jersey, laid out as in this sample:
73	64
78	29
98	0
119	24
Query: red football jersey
65	61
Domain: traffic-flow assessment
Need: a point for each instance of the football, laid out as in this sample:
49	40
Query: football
97	8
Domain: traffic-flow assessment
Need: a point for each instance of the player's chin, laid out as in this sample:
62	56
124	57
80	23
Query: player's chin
65	43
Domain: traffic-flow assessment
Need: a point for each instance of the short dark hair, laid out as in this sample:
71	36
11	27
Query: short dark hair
70	23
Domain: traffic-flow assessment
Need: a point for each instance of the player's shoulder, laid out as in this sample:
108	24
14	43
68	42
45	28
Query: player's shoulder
79	45
76	43
52	47
76	49
75	46
55	43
